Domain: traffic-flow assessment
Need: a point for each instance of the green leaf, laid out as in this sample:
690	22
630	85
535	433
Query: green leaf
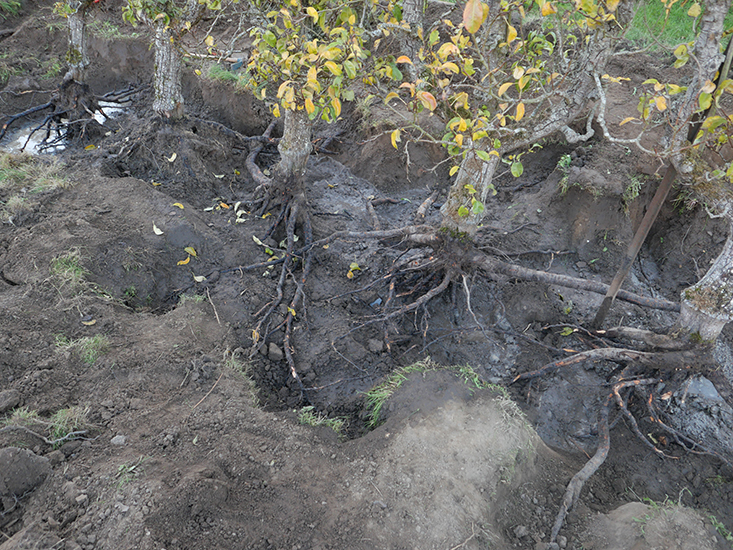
705	100
567	331
483	155
477	207
517	169
269	39
463	211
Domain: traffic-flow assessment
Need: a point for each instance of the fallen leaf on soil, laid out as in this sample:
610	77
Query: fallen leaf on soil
199	278
156	230
178	204
184	262
90	147
172	157
191	250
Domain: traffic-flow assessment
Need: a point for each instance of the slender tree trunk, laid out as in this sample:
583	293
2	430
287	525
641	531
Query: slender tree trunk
77	55
168	100
413	13
708	305
478	175
295	147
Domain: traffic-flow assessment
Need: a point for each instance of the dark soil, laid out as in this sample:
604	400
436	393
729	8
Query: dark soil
182	450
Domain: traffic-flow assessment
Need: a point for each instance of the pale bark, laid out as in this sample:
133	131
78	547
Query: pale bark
295	146
413	13
708	305
168	100
478	174
77	55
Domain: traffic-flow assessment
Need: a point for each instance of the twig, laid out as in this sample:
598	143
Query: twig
208	392
212	305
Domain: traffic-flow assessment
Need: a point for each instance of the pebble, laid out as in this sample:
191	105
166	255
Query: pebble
81	499
274	353
118	440
521	531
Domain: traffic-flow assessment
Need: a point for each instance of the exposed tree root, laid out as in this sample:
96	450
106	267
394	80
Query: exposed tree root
670	367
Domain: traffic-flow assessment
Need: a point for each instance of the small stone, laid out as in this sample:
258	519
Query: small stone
9	399
118	440
56	457
521	531
375	346
274	353
562	542
81	499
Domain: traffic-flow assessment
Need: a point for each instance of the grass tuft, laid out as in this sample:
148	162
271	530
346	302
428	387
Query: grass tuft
89	348
243	369
311	417
22	177
377	396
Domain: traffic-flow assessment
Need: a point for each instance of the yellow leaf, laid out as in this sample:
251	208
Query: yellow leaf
395	136
90	322
191	250
309	107
178	204
350	275
661	103
291	311
199	278
694	10
223	205
520	112
255	336
336	105
90	147
155	184
518	73
390	95
325	247
310	10
627	119
156	230
453	170
504	87
184	262
427	99
548	8
511	34
473	15
276	111
612	5
209	41
333	67
709	87
403	59
450	67
459	140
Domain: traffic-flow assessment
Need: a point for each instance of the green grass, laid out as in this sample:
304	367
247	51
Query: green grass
243	369
128	472
310	417
651	26
217	72
89	348
377	396
21	177
9	8
67	269
67	421
109	31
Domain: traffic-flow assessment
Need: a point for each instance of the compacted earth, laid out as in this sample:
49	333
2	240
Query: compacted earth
139	411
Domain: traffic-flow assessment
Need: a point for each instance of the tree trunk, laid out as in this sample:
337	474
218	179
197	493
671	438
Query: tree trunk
168	100
413	13
477	174
77	55
708	305
295	147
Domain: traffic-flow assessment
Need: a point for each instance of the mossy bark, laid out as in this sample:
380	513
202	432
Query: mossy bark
477	174
77	55
168	100
708	305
